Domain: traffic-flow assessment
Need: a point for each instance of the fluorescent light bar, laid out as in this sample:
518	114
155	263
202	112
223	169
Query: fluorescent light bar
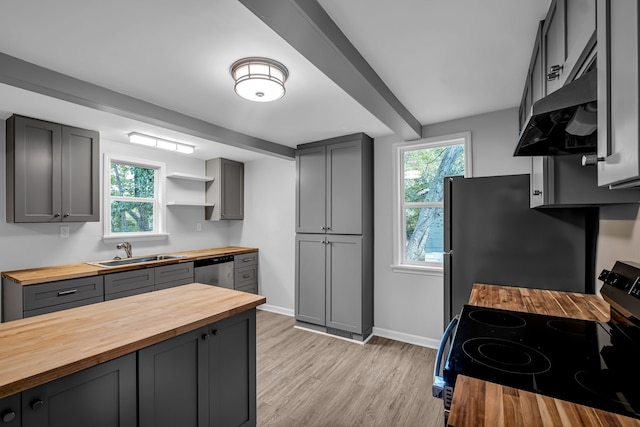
152	141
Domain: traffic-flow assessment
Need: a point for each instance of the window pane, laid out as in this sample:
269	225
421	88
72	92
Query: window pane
132	181
425	234
425	170
130	217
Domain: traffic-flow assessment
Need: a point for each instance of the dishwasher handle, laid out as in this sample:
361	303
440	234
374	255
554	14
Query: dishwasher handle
212	261
438	378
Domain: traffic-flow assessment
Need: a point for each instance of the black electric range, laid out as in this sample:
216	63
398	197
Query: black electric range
586	362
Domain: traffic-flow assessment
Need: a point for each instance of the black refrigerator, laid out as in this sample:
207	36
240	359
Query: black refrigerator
491	235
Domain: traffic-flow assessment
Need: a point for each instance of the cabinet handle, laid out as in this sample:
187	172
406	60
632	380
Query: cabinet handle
536	192
554	72
56	215
205	336
66	215
591	159
214	332
8	416
324	228
67	292
37	404
246	260
246	276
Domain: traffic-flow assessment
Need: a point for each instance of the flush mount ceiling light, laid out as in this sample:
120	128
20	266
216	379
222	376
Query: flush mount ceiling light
152	141
259	79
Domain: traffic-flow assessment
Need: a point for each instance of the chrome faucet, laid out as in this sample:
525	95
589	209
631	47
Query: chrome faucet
127	248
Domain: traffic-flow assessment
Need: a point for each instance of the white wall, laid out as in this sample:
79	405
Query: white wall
409	307
269	224
35	245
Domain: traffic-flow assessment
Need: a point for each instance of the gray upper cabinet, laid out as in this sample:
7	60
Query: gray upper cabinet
226	191
52	172
534	82
568	29
331	187
618	93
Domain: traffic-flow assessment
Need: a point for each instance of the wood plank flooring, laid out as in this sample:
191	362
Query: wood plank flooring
307	379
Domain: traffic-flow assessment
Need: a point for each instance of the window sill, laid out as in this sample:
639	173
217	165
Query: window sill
135	237
417	269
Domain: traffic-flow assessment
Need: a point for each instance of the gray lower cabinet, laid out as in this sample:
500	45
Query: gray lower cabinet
168	276
10	411
334	284
245	272
19	301
52	172
101	396
128	283
201	378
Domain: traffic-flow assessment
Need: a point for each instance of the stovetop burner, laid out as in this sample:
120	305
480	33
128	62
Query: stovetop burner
506	356
568	326
497	319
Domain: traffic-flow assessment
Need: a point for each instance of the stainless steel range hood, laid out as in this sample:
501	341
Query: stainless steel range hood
564	122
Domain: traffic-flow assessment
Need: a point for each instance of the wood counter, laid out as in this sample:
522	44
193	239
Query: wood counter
40	349
541	301
33	276
479	403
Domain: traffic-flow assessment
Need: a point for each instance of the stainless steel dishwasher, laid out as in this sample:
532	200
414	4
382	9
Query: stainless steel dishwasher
217	271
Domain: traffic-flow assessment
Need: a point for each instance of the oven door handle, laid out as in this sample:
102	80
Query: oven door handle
438	380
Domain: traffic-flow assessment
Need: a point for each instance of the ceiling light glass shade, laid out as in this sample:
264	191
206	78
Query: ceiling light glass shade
152	141
259	79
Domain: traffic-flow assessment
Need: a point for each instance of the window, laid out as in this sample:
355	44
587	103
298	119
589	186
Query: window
133	198
419	215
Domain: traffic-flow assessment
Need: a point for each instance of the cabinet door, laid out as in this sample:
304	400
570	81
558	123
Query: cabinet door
553	36
10	411
344	283
537	181
618	74
311	190
344	188
580	27
80	175
232	190
232	371
173	381
37	151
310	279
101	396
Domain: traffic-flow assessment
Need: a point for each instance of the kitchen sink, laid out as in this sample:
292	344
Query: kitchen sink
134	260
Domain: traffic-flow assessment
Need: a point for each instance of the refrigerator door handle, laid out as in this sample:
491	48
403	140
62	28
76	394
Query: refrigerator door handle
438	374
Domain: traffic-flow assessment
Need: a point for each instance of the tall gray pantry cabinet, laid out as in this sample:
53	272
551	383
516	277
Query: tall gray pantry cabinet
334	241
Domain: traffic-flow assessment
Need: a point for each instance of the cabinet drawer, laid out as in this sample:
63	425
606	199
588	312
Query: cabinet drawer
128	293
252	288
173	273
61	292
127	281
173	283
64	306
245	276
244	260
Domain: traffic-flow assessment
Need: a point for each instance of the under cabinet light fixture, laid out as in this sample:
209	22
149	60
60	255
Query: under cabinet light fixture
152	141
259	79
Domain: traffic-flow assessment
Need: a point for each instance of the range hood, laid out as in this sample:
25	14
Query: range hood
564	122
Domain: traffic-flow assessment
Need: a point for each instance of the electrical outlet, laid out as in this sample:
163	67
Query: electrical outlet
199	226
64	231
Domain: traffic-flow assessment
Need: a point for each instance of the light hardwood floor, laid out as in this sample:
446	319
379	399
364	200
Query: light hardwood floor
307	379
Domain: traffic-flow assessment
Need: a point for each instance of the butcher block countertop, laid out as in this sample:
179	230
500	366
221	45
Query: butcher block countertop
479	403
33	276
541	301
43	348
483	403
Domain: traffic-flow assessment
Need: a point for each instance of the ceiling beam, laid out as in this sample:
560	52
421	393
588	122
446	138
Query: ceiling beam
32	77
306	26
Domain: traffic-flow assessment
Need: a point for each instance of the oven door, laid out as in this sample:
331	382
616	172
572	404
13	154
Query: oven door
440	388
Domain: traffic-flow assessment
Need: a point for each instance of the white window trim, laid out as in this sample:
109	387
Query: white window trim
160	211
397	264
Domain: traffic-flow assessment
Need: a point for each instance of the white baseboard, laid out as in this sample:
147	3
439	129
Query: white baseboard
380	332
408	338
276	309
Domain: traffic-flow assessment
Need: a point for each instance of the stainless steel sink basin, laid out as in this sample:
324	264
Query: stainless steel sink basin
134	260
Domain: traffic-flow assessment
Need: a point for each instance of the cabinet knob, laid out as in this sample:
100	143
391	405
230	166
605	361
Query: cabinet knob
56	215
66	215
554	72
8	416
536	192
205	336
37	404
591	159
214	332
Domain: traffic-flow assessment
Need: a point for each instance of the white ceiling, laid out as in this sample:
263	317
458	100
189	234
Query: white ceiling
443	59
